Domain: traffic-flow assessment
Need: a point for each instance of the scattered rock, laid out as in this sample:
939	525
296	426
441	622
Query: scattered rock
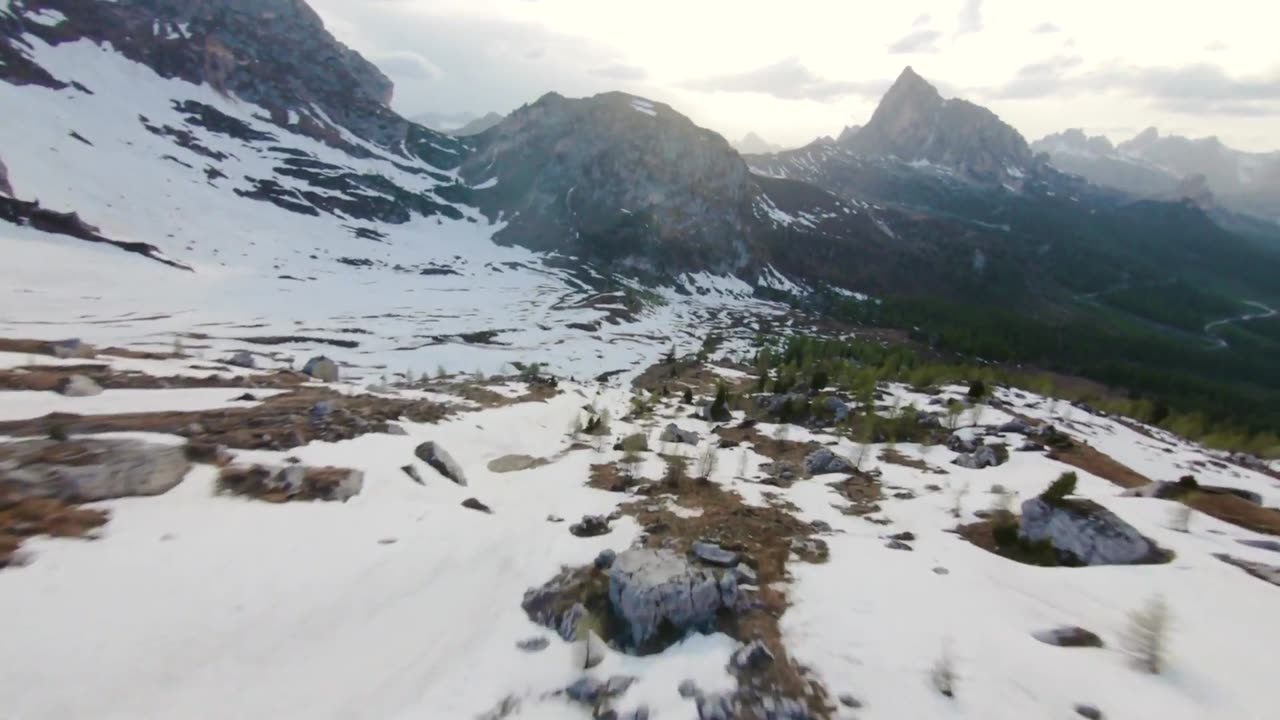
745	575
321	368
639	442
837	407
824	462
320	412
1068	636
1030	446
650	588
80	386
714	554
673	434
961	444
1262	571
585	690
716	707
474	504
93	469
983	457
752	656
533	645
590	526
1271	545
247	397
821	526
1088	711
515	463
850	701
906	536
554	519
898	545
242	359
1016	425
396	429
412	472
688	689
443	463
1085	532
294	482
1165	490
605	558
941	571
73	348
387	541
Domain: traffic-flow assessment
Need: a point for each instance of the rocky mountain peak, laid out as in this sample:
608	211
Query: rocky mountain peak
753	144
915	124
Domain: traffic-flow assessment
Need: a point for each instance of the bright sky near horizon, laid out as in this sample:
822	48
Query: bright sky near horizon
797	70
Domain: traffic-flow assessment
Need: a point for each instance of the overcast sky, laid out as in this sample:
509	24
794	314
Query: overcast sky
792	71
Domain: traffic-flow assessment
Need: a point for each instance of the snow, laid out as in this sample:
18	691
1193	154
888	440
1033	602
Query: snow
46	16
24	404
491	182
644	106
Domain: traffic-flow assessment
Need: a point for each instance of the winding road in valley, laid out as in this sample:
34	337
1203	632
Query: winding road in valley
1220	344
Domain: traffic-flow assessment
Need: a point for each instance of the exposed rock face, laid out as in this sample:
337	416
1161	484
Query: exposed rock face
1086	532
914	123
90	470
441	461
648	588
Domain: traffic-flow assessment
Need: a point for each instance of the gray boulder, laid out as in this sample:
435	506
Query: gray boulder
983	457
837	407
440	460
321	368
242	359
90	470
1016	425
1089	712
1068	636
73	348
673	434
1088	533
532	645
396	429
961	444
650	588
824	462
606	558
80	386
714	554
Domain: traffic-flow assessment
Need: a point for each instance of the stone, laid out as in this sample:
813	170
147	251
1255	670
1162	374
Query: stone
983	457
616	685
905	536
1086	532
585	690
474	504
714	554
412	472
850	701
554	519
73	348
290	479
673	434
941	571
1030	446
515	463
242	359
752	656
1088	711
824	462
745	575
1271	545
396	429
688	689
1262	571
1068	636
590	526
716	707
80	386
441	461
568	625
1016	425
641	712
532	645
898	545
821	526
321	368
837	407
94	469
605	558
650	587
961	444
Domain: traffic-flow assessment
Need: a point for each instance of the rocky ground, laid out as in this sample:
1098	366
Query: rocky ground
604	552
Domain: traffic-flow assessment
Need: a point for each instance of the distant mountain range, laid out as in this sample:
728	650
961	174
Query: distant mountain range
1151	165
752	143
458	125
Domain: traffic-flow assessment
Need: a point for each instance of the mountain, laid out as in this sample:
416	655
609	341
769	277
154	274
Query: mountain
477	125
914	123
752	143
1151	165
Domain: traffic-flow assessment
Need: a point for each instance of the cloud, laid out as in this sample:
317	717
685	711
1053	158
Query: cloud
922	20
406	64
917	41
970	20
1046	28
1217	46
786	79
1193	89
619	71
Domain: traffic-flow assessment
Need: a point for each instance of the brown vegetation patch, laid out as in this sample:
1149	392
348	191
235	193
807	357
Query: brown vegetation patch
766	537
279	422
261	483
477	393
893	457
23	517
780	451
1235	510
52	377
610	478
689	373
1096	463
862	490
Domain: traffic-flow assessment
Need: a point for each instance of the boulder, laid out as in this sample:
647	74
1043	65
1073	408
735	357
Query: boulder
474	504
440	460
714	554
80	386
72	348
515	463
590	526
745	575
532	645
837	407
716	707
752	656
1085	532
673	434
961	444
1089	712
983	457
824	462
1016	425
93	469
321	368
605	558
242	359
1068	636
650	589
688	689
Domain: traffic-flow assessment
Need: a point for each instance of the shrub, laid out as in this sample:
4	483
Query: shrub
707	461
977	389
1005	534
687	398
1059	489
57	432
1147	638
1188	482
719	409
819	380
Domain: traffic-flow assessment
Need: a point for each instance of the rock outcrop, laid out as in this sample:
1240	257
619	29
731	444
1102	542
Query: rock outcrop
92	469
1086	533
653	589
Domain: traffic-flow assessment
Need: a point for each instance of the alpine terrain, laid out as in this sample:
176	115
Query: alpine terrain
310	410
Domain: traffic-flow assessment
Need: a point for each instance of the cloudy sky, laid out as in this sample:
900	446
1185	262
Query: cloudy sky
792	71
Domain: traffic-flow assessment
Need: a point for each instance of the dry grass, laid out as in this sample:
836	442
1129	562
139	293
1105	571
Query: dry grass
1096	463
893	457
22	517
